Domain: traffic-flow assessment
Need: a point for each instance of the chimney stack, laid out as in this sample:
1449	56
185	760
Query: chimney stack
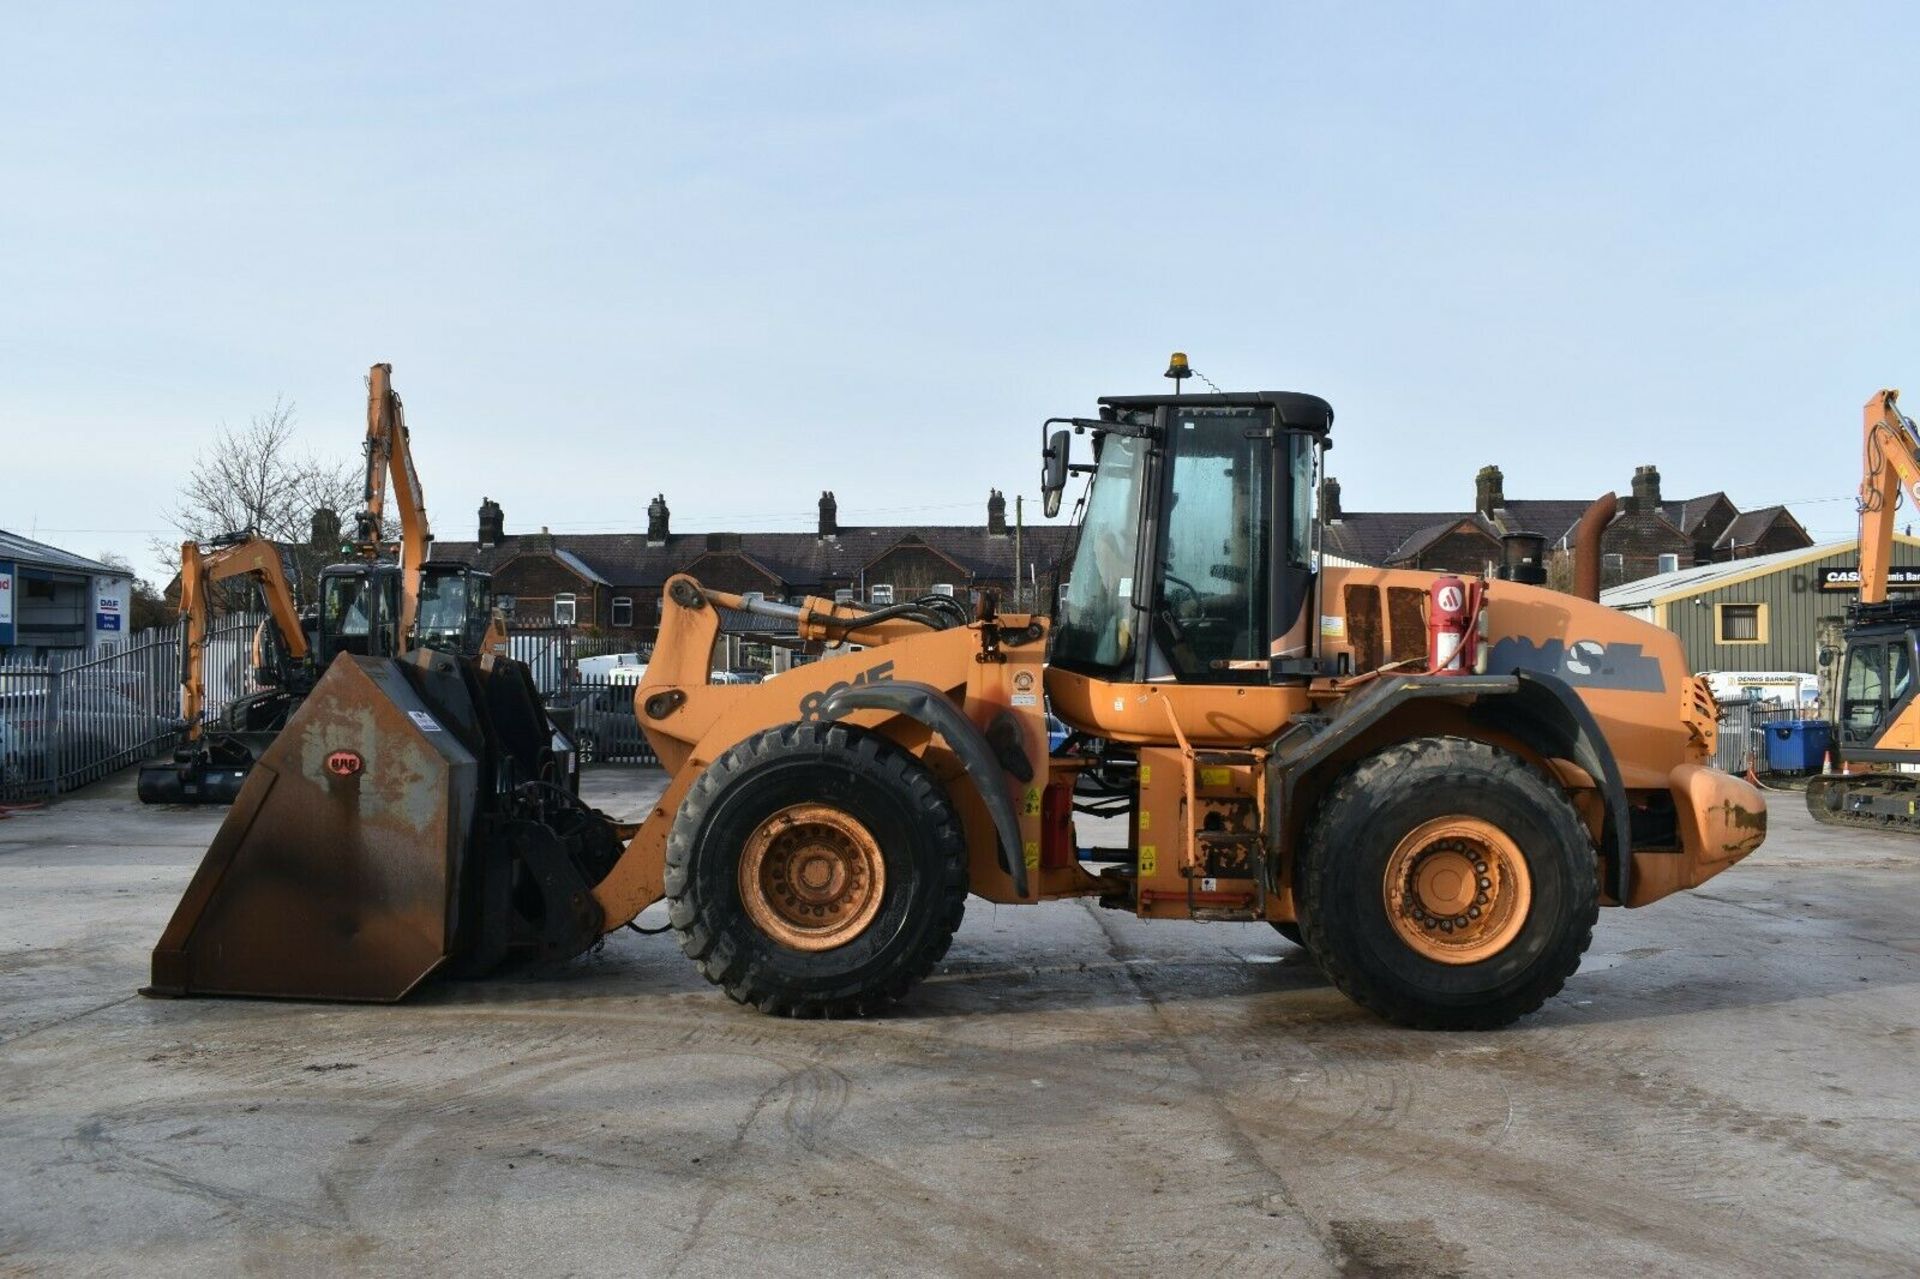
1489	491
493	523
1646	488
996	513
1330	500
657	520
326	530
829	515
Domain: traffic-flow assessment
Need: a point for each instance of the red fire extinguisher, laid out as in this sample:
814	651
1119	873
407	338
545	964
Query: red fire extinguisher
1454	621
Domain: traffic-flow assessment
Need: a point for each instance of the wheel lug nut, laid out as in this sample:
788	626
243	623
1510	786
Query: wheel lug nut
1473	912
1485	883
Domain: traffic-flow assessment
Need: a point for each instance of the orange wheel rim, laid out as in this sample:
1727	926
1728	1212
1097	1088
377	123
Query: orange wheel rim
1457	890
811	877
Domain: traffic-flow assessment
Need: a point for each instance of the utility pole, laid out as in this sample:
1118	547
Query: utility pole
1019	563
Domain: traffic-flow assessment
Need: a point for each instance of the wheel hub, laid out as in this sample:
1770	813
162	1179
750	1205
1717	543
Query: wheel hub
1457	890
811	877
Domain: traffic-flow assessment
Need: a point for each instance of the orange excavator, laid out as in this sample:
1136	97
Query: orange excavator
1875	722
1434	784
386	600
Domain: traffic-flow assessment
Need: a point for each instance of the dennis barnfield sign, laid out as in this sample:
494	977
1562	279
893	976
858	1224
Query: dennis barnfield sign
1847	578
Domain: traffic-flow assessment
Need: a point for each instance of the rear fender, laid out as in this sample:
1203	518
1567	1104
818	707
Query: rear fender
1535	709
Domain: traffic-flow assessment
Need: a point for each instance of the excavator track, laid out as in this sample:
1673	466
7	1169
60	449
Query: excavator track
1882	801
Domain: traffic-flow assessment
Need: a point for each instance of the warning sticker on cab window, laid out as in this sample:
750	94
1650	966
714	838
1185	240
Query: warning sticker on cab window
426	722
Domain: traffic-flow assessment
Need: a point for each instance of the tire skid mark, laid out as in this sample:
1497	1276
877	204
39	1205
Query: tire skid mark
1226	1116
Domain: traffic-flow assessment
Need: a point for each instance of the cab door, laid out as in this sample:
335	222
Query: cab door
1875	695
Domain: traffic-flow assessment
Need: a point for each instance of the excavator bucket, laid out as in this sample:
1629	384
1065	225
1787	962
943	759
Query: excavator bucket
414	813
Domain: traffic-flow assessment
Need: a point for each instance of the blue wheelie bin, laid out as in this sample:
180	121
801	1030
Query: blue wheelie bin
1796	745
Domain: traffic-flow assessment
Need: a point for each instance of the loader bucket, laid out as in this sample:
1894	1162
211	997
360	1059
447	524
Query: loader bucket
338	872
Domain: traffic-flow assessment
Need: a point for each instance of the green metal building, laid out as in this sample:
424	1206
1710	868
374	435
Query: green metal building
1759	614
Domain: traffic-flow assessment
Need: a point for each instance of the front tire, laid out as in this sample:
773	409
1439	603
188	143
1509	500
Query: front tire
816	870
1448	885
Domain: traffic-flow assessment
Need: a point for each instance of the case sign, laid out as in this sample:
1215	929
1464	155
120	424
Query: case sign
1846	577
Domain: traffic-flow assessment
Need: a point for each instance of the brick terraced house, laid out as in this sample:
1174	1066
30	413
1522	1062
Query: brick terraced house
611	583
1649	533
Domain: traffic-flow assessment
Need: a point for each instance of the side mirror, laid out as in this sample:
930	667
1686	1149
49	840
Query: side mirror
1053	471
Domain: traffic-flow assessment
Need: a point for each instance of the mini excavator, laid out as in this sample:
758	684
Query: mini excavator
1875	722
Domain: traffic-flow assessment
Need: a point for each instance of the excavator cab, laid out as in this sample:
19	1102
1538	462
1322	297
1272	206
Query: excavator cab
456	606
360	609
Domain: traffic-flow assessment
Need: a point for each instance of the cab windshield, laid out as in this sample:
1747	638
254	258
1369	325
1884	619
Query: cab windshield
444	608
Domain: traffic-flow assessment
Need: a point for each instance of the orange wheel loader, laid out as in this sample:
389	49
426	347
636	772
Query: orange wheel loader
1432	783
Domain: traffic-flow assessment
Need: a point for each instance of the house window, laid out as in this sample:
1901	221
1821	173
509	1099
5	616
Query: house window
1741	623
1614	562
843	596
563	610
622	610
881	594
943	588
1669	563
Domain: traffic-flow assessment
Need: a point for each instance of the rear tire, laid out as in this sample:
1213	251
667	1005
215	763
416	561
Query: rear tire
816	870
1429	828
1288	929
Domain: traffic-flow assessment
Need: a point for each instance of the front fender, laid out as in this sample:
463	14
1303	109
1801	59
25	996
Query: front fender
929	706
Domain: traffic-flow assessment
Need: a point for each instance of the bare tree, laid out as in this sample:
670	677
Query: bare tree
1560	570
253	478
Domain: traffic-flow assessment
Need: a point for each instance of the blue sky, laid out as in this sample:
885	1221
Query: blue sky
741	253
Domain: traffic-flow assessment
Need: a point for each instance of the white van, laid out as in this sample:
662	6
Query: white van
1777	688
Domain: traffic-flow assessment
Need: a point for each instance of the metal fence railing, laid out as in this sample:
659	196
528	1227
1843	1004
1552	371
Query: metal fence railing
71	720
1743	733
604	726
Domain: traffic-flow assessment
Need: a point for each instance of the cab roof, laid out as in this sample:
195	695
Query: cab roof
1295	409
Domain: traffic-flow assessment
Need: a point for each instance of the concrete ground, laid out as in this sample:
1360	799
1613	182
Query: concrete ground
1731	1085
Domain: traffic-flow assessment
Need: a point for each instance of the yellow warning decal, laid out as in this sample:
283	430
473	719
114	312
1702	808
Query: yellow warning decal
1146	774
1033	801
1146	819
1148	862
1033	854
1216	777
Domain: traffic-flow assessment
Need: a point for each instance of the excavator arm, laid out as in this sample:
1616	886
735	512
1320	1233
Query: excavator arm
390	460
1890	464
249	556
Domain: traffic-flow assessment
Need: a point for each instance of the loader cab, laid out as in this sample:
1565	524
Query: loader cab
1195	559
